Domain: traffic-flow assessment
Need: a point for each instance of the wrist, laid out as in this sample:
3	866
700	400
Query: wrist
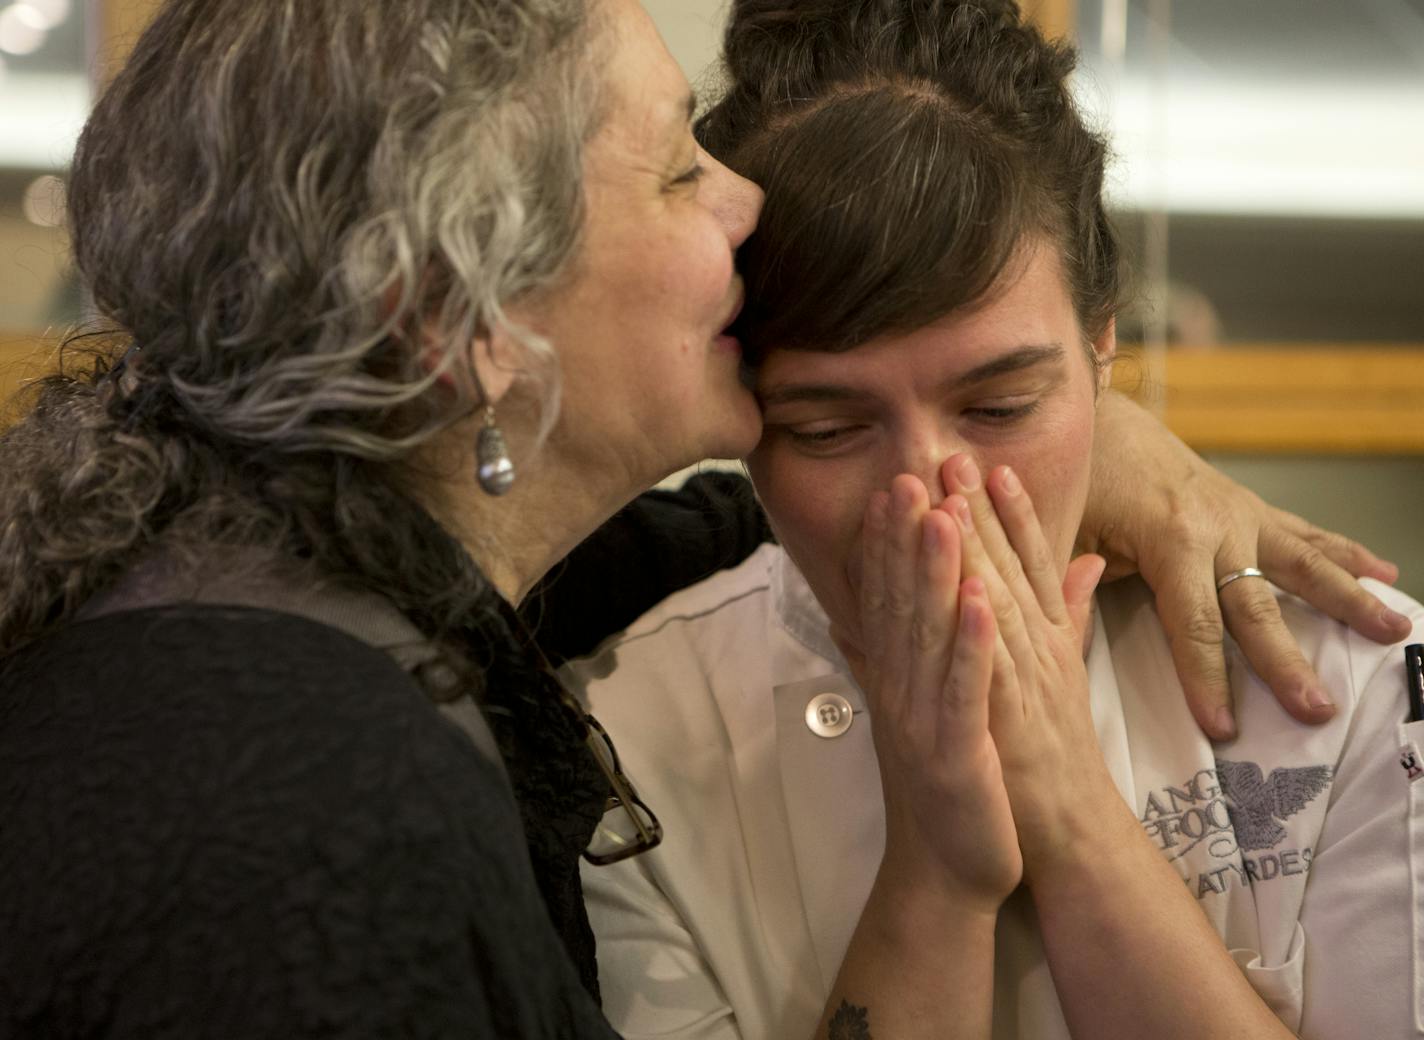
915	905
1083	839
1067	817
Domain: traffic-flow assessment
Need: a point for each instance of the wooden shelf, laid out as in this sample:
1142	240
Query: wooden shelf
22	358
1363	399
119	22
1057	18
1342	399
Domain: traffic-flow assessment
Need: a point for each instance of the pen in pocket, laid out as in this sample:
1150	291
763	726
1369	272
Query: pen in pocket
1414	669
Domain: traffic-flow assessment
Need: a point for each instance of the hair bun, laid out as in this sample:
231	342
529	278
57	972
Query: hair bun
786	42
779	53
766	38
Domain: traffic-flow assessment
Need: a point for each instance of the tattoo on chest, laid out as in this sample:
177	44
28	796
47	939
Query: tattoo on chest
849	1023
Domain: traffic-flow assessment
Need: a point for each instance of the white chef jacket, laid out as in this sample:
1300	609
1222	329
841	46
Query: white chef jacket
1304	845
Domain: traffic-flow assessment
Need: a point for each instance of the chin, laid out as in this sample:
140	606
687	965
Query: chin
739	432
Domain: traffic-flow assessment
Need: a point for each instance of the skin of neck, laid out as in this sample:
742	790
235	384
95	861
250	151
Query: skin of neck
560	496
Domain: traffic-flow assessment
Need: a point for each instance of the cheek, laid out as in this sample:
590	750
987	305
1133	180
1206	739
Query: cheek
692	270
778	486
816	512
1056	475
711	280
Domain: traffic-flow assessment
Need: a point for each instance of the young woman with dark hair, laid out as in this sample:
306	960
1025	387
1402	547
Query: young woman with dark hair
915	780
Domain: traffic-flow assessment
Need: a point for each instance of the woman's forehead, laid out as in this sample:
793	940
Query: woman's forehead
649	94
1033	311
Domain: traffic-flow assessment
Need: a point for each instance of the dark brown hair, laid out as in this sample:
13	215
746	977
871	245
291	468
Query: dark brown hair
907	149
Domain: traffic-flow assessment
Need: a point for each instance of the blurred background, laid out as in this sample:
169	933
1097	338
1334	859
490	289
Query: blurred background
1269	187
1268	181
44	96
54	56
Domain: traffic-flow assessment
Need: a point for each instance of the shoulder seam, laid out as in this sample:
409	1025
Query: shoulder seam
692	615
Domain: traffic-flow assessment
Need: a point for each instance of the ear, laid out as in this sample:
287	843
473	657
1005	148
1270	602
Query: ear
489	356
492	356
1105	350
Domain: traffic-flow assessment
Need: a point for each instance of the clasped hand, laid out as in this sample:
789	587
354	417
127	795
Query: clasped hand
970	650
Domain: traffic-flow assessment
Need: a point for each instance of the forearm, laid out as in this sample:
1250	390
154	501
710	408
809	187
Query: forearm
1130	951
915	967
1129	443
659	543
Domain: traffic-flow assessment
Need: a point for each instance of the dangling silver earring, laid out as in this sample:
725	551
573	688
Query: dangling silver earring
494	467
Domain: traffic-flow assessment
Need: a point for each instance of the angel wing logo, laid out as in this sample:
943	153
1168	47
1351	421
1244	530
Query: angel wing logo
1258	804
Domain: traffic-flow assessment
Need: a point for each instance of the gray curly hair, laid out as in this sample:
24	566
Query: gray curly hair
296	216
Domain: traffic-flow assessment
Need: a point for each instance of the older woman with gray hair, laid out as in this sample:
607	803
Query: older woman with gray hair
403	300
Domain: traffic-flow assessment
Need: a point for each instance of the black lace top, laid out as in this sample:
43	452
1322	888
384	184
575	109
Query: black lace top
557	785
233	822
228	822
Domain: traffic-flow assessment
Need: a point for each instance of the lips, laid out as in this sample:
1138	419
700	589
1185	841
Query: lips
736	313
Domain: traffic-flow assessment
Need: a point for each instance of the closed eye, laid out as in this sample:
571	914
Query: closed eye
822	437
692	176
1003	415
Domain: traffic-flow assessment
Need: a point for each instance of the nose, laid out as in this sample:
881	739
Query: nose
735	200
922	453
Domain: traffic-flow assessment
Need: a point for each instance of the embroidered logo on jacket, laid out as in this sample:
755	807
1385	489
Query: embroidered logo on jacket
1257	805
1233	810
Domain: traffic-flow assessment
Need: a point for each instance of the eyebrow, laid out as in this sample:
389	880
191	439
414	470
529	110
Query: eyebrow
677	128
1015	361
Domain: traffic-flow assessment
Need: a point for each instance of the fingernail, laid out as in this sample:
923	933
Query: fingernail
1318	699
1394	619
962	514
1009	481
967	474
1224	723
